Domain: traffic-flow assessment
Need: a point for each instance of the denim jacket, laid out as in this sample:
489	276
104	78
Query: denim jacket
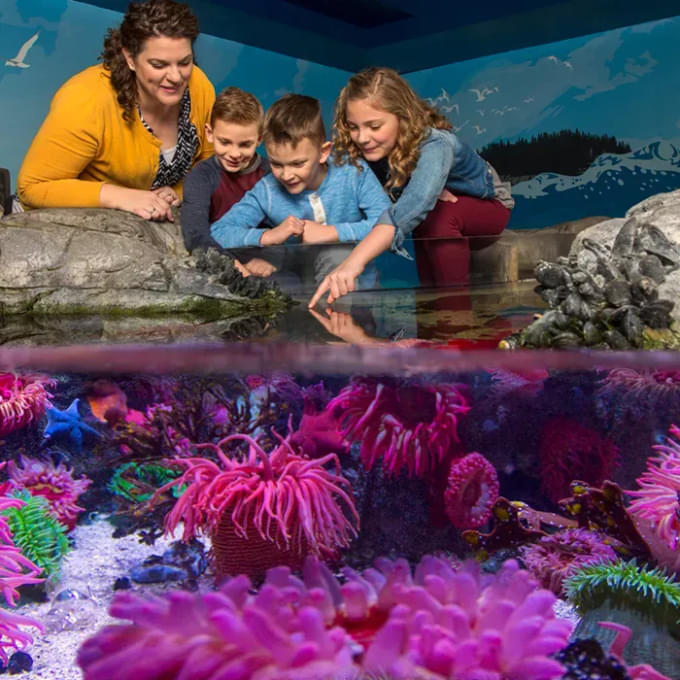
444	161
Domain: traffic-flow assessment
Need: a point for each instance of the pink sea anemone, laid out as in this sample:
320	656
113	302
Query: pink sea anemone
463	625
230	634
280	501
15	570
471	492
569	451
437	622
23	399
656	501
56	484
645	384
411	424
554	558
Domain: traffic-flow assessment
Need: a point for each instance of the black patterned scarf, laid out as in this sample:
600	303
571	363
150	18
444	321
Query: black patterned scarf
187	142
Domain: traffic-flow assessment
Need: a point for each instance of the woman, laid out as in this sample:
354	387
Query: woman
440	186
124	134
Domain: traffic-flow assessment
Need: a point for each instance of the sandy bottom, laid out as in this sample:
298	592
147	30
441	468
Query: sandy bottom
91	568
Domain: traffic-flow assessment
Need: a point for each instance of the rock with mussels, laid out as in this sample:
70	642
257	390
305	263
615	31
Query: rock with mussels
609	292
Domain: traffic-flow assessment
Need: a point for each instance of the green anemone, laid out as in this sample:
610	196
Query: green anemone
625	585
37	533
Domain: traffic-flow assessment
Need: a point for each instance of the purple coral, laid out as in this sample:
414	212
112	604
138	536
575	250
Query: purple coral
227	634
410	424
556	557
56	484
15	570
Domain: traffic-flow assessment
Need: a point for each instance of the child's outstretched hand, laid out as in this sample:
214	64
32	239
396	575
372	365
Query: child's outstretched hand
291	226
339	282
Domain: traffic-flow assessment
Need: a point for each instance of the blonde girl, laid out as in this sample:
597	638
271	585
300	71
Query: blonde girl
441	189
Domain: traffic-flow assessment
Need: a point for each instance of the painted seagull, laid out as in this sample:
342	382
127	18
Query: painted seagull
18	61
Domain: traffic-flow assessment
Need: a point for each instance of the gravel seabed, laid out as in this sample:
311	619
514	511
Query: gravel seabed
90	568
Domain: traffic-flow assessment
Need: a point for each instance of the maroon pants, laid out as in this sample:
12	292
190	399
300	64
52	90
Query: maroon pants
441	241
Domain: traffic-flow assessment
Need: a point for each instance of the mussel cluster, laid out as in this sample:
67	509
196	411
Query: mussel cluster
603	297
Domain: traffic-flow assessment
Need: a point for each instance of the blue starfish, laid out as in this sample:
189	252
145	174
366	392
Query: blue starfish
67	423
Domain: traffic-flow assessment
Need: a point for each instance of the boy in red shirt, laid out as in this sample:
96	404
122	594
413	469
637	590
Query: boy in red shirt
219	182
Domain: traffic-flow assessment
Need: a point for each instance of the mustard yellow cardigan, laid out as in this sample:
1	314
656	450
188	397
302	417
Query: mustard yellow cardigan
84	143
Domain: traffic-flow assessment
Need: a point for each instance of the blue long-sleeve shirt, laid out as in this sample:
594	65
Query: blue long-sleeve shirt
350	199
445	161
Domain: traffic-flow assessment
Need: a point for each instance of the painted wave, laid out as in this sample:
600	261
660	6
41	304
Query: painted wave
611	185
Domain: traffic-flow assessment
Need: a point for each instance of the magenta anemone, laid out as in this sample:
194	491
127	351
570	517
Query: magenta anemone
437	622
23	399
290	502
463	625
56	484
568	451
471	492
231	633
409	423
656	501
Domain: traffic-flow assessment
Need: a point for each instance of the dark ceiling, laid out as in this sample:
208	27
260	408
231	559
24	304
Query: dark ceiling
410	35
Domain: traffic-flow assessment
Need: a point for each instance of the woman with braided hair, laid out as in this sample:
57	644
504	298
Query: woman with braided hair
123	134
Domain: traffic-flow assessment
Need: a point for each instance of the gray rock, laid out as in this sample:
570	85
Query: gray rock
84	261
662	212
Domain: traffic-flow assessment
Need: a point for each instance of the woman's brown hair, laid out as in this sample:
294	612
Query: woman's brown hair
388	91
143	20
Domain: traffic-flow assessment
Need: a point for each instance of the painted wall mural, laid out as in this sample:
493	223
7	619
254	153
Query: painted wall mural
622	84
586	126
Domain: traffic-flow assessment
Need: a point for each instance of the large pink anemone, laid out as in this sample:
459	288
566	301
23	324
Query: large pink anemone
230	633
657	500
410	424
437	622
15	570
464	625
56	484
471	492
290	502
23	399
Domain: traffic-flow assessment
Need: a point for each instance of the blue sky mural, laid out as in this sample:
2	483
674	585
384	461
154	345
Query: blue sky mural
623	83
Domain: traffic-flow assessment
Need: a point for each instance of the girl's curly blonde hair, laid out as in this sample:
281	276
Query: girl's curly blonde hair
388	91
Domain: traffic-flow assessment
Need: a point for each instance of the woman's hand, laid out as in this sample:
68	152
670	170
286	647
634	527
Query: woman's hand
339	282
168	194
146	204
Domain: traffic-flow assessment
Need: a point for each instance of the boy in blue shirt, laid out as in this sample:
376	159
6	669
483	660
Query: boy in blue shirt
307	198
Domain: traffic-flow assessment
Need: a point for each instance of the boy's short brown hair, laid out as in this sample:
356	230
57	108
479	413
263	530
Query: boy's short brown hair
233	105
293	118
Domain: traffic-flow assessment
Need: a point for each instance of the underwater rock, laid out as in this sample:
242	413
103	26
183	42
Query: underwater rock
180	562
19	662
619	281
80	260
